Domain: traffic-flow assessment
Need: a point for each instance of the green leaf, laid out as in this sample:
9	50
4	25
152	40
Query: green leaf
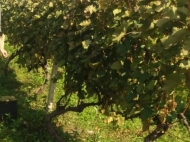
124	47
81	94
163	21
186	47
172	81
146	113
144	2
183	10
178	35
140	87
152	84
116	65
130	96
171	116
172	12
180	102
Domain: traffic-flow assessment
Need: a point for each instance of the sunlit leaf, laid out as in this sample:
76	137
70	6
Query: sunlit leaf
103	4
50	4
85	23
117	36
91	9
116	11
86	44
185	64
94	65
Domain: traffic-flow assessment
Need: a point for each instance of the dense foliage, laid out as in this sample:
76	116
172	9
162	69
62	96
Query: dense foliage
133	56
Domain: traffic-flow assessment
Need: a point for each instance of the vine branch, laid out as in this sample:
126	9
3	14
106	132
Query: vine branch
63	110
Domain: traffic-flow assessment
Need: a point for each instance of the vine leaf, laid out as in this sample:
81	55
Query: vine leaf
85	23
116	11
51	4
185	64
91	9
186	46
118	35
116	65
86	44
146	113
94	65
140	87
151	84
163	21
183	10
172	81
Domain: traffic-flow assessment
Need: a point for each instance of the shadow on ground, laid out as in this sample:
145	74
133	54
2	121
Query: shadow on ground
29	125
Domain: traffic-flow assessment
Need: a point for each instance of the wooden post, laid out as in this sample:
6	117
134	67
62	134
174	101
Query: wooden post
52	87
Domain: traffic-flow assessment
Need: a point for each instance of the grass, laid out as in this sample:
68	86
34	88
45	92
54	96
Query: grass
87	126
